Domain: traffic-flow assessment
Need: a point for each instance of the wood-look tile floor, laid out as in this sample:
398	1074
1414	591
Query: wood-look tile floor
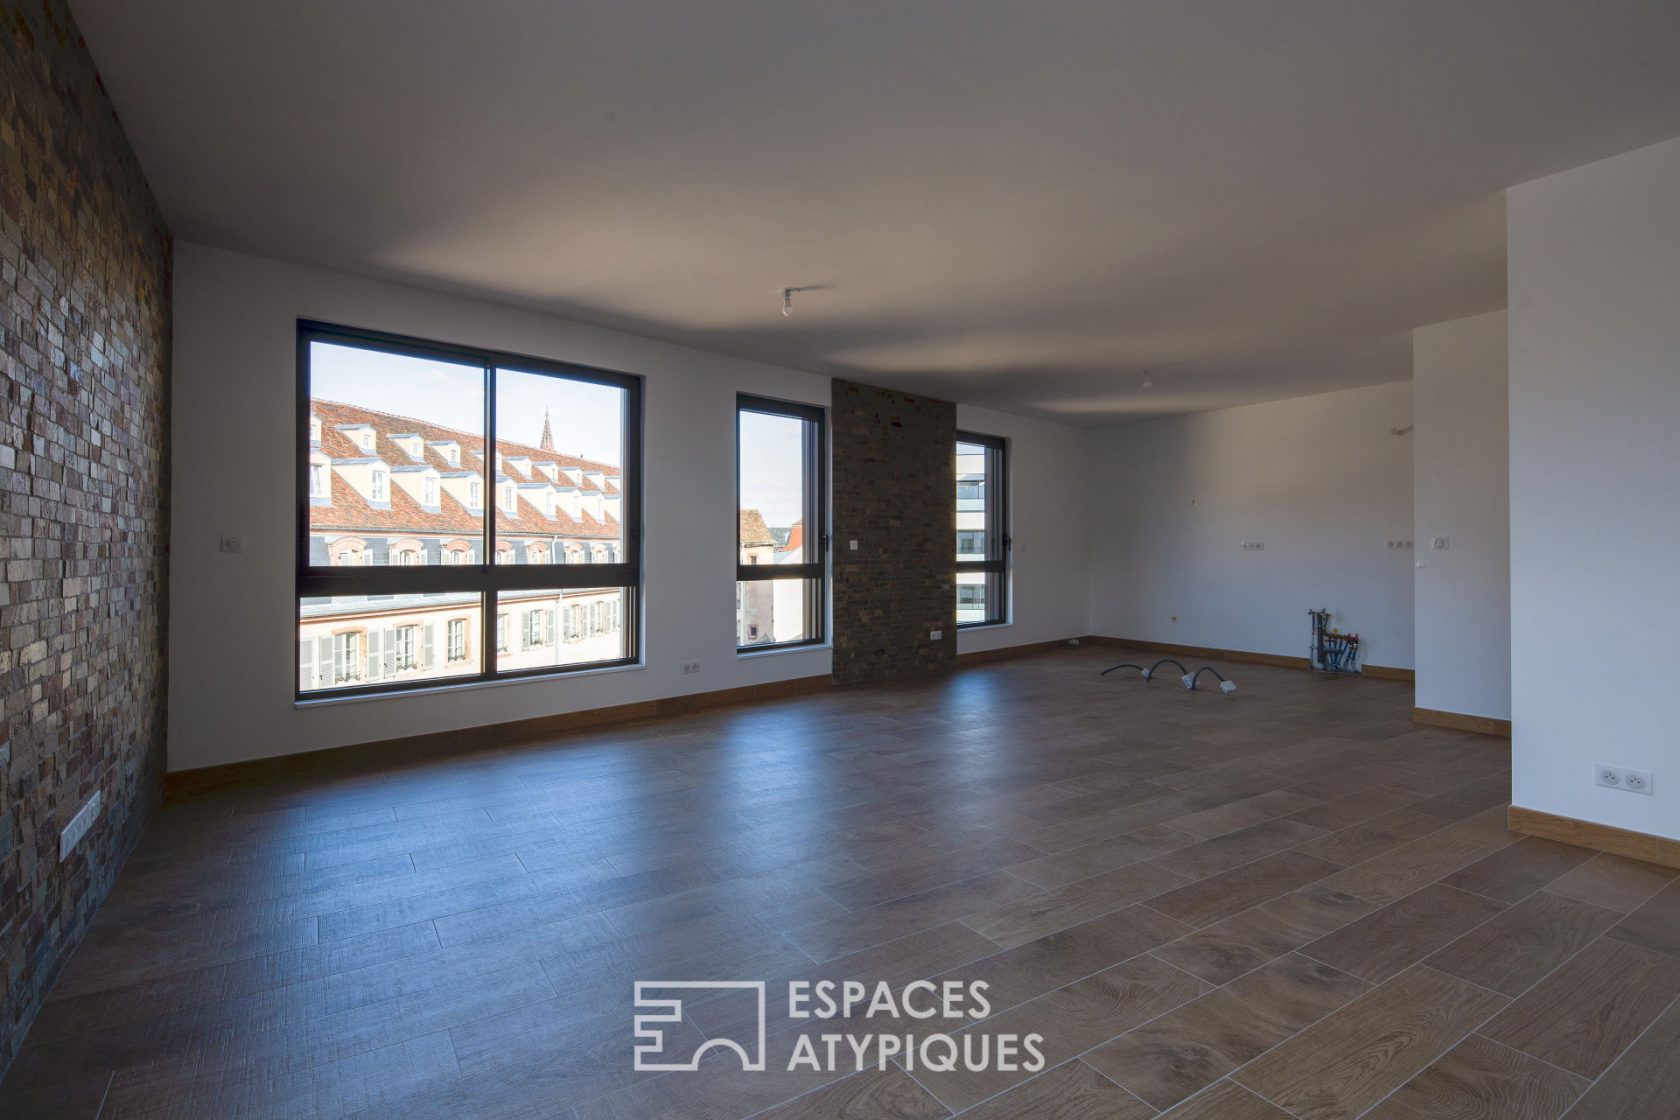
1286	902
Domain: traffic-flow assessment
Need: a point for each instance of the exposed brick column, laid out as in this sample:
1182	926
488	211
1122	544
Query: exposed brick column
84	473
894	479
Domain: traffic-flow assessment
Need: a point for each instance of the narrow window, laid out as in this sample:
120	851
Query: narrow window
782	526
982	530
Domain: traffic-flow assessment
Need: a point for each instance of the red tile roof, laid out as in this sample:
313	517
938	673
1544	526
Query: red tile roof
796	538
349	512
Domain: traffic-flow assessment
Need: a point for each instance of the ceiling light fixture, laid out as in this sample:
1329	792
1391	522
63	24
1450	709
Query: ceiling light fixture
1148	381
787	298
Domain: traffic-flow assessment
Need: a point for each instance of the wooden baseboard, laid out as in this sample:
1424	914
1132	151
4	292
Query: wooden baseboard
184	784
1278	660
1009	653
1384	673
1458	721
1586	834
1243	656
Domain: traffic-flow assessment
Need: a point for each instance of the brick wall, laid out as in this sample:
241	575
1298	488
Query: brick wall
84	445
895	492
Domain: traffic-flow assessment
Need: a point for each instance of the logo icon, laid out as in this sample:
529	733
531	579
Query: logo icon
650	1035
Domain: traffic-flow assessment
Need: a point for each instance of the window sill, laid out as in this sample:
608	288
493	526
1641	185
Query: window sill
970	627
804	647
463	686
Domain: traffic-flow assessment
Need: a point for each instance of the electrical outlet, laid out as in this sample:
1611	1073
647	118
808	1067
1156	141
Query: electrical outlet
690	667
935	635
231	543
853	545
1253	546
1439	544
1617	777
1399	545
79	826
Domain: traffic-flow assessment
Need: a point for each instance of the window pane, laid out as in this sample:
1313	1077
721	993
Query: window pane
771	611
972	460
354	641
977	597
575	626
559	483
394	446
773	487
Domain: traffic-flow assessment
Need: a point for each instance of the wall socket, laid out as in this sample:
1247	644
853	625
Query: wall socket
1400	545
690	667
78	826
935	635
1440	544
1253	546
230	542
1619	777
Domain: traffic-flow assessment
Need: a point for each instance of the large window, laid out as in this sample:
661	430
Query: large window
782	539
982	531
442	488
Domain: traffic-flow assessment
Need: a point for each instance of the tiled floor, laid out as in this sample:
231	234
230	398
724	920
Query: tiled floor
1286	902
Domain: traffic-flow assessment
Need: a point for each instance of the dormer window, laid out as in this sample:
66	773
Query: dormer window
412	445
379	489
367	439
315	430
475	494
431	491
317	480
511	500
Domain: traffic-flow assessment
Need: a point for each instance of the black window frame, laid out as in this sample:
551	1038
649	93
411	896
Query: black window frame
488	579
996	528
816	518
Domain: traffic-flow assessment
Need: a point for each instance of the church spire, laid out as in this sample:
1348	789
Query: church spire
547	442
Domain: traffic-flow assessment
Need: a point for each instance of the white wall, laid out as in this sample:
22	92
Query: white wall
1049	525
232	625
1461	485
1320	481
231	634
1594	264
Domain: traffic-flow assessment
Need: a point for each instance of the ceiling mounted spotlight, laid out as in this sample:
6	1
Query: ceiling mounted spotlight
1148	381
787	298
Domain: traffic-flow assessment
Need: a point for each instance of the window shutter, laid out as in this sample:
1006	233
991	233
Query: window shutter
375	664
323	661
337	660
550	624
426	657
306	664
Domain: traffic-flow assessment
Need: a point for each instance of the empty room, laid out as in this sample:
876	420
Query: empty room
643	560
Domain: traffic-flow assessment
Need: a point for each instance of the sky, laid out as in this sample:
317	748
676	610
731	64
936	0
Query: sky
587	419
773	467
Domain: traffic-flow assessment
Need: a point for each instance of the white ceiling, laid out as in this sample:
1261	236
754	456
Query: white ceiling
1013	203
